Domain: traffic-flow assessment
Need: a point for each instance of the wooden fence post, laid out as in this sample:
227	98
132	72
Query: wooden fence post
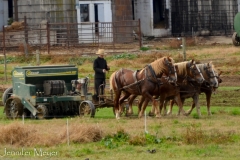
48	38
184	48
4	53
140	33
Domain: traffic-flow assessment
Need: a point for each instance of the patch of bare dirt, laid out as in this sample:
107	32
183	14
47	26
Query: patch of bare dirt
233	80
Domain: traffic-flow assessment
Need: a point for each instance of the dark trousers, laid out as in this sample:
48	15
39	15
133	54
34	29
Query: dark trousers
97	84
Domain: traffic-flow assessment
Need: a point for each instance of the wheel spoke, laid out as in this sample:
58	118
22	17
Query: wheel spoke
14	108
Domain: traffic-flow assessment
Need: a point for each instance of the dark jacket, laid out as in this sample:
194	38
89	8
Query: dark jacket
98	66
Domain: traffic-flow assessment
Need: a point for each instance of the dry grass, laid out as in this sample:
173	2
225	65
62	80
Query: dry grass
21	48
190	42
59	59
122	63
84	133
17	134
175	43
198	136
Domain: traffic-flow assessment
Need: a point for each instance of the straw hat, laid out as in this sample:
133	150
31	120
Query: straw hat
101	52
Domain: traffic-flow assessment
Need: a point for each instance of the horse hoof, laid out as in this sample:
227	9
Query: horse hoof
117	116
129	114
151	114
209	114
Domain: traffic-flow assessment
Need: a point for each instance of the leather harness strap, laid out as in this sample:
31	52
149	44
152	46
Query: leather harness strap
158	82
135	80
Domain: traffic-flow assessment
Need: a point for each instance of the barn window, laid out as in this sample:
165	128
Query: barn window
84	12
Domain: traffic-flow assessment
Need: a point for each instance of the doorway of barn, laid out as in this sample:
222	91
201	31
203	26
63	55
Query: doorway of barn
160	14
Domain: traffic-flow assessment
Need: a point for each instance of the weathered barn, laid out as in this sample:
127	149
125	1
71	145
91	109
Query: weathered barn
55	11
159	18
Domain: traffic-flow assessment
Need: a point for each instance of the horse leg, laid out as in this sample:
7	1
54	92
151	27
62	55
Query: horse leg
191	109
143	107
196	101
116	104
165	107
130	102
161	104
147	98
208	98
157	107
142	99
178	101
153	111
121	101
170	107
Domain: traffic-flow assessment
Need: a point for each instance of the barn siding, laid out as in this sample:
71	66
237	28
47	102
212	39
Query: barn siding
55	11
122	10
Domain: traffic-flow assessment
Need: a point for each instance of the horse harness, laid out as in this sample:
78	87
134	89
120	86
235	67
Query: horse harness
188	78
137	82
153	80
190	81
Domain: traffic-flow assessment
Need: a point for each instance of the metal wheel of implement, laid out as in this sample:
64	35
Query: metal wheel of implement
13	108
87	109
43	112
6	94
235	40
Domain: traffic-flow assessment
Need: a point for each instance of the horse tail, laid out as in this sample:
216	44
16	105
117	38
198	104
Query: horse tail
113	80
112	77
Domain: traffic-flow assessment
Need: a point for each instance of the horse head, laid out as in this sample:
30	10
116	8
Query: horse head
194	72
218	79
171	72
211	75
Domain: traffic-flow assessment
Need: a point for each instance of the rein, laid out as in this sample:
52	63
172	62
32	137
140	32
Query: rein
153	75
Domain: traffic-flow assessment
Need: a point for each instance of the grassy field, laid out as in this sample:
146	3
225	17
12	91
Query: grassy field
105	138
174	137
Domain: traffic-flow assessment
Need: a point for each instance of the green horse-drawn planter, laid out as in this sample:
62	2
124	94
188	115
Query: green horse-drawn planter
47	91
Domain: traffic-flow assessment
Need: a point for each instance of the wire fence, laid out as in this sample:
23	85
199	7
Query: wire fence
51	36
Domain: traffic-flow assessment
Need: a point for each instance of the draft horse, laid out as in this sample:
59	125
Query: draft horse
212	81
209	85
185	70
141	82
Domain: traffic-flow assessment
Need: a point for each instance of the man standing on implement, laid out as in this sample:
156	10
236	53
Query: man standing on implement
100	67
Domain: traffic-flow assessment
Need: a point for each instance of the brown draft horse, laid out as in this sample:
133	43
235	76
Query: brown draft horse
141	82
186	70
210	84
212	81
